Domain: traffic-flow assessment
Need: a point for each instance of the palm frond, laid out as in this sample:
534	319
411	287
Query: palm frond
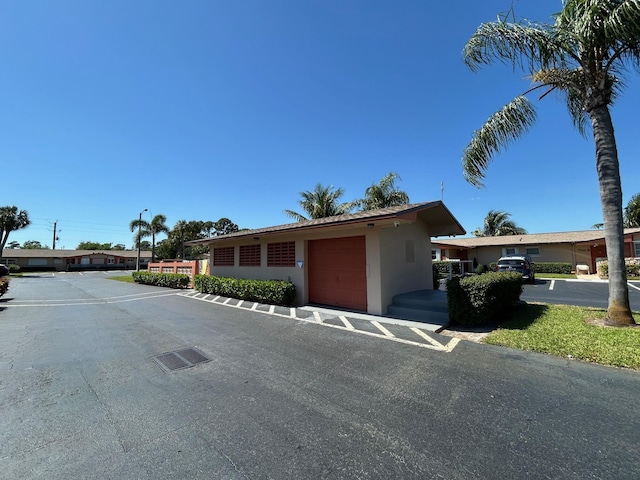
500	129
530	47
295	215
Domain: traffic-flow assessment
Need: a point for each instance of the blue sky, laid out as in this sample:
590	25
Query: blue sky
206	109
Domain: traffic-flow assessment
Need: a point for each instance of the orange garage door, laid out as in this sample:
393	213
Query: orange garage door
337	272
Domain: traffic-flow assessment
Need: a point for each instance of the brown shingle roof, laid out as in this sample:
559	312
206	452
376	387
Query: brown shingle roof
352	218
582	236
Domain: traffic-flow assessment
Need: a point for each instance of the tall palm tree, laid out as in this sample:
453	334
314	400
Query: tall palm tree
581	56
141	228
11	219
320	203
632	212
383	194
156	227
497	223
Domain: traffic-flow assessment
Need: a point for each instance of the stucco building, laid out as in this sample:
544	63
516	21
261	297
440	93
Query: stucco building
357	261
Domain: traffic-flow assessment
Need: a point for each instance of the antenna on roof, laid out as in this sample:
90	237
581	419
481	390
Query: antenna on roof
442	191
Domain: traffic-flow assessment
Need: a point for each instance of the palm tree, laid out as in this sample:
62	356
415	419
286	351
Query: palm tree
141	228
156	227
580	55
632	212
496	224
383	194
11	219
146	229
320	203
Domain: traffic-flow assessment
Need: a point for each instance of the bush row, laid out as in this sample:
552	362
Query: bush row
476	300
171	280
277	292
544	267
633	269
442	267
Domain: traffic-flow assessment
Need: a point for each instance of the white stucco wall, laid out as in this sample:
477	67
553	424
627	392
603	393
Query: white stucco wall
398	260
405	261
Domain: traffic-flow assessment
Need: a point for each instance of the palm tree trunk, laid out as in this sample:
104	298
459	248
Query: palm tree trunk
618	311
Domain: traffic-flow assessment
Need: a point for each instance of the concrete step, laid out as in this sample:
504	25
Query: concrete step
427	299
436	317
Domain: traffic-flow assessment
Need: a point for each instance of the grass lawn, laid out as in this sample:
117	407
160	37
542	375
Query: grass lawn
124	278
564	331
555	275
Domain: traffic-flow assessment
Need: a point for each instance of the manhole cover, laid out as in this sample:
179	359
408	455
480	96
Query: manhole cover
180	359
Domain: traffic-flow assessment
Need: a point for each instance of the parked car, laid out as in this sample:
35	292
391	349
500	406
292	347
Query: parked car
520	263
4	270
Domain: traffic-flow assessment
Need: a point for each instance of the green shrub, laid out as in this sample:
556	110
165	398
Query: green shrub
277	292
633	269
443	268
477	300
552	267
171	280
13	268
436	277
480	269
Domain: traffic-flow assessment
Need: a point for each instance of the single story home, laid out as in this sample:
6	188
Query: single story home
577	248
357	261
72	260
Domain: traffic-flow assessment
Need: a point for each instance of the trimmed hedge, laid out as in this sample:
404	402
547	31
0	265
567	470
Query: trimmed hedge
543	267
277	292
442	267
633	269
476	300
171	280
552	267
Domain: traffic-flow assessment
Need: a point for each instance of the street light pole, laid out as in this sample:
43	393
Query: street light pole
139	239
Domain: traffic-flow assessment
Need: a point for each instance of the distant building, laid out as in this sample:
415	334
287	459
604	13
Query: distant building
584	247
30	259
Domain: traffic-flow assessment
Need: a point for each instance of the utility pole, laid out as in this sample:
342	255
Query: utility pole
55	224
139	239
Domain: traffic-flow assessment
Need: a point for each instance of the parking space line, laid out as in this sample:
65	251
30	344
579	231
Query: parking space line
633	286
385	334
376	324
552	284
448	347
346	322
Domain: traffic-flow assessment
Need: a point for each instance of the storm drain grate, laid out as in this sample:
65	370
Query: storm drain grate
180	359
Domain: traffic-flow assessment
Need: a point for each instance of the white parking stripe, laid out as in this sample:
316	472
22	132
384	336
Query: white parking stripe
448	347
633	286
431	344
552	284
376	324
346	322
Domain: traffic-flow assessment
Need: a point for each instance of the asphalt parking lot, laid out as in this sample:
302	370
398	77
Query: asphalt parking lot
83	394
584	293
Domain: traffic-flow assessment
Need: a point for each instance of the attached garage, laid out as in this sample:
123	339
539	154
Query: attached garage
338	272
